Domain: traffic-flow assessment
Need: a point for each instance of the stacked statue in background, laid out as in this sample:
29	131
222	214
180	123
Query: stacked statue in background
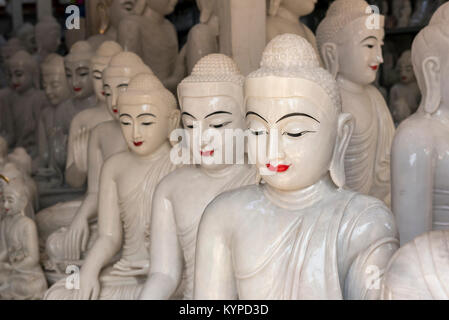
350	40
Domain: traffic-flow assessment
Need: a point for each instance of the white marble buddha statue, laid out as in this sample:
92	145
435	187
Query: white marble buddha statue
155	40
54	123
350	41
148	114
21	276
48	34
420	161
300	235
211	99
203	37
26	101
79	74
405	95
106	139
284	15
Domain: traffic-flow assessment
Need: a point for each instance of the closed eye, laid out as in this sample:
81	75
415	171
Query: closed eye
217	126
126	123
147	123
258	132
297	135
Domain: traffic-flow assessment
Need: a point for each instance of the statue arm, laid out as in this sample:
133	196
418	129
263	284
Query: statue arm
109	227
412	181
74	175
373	241
165	250
214	274
30	244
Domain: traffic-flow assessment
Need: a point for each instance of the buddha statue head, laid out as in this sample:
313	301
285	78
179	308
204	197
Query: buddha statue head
117	75
292	106
15	197
54	80
405	68
148	114
211	100
10	172
23	72
48	35
26	34
163	7
350	40
104	14
299	8
78	69
9	49
431	61
100	61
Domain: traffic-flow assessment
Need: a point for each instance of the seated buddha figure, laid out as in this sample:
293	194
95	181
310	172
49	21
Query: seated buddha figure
420	151
54	122
79	74
61	214
71	244
26	101
211	99
154	39
148	114
404	95
350	43
300	235
21	276
283	17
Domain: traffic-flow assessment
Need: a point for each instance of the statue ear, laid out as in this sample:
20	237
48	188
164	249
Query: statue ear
103	15
329	53
344	133
140	7
174	119
432	80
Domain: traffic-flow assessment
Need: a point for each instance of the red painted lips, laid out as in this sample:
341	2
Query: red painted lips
77	89
207	153
279	168
374	67
138	144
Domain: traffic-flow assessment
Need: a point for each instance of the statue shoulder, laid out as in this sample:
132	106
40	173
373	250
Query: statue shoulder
115	163
368	219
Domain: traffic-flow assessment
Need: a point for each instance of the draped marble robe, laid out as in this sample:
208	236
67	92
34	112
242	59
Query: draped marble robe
323	248
419	270
364	173
187	224
135	217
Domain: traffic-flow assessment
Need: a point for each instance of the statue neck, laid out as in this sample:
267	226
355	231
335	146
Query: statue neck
287	15
85	101
349	85
154	15
300	199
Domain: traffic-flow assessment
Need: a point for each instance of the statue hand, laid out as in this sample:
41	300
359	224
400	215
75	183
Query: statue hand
80	146
89	287
77	238
131	268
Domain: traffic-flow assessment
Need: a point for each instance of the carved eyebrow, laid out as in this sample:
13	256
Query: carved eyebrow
256	114
187	114
122	85
217	112
125	115
370	37
146	114
297	114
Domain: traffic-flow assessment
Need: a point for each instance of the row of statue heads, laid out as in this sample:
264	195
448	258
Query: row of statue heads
313	194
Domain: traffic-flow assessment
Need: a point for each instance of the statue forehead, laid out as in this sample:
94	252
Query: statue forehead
73	65
357	31
114	81
134	108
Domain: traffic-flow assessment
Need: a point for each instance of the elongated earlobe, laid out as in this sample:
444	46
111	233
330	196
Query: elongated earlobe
104	18
432	79
175	118
337	168
329	53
